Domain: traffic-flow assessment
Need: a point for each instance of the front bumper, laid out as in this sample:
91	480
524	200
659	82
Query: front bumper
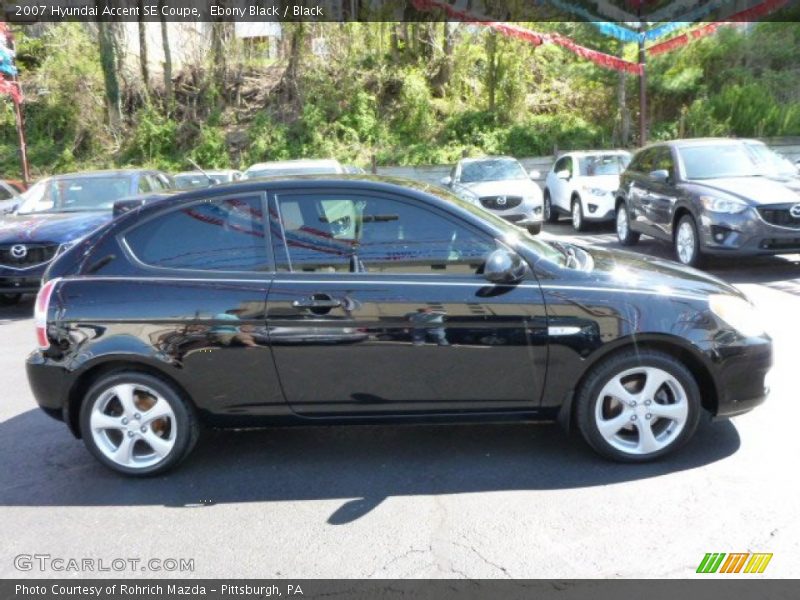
21	281
598	208
740	375
746	233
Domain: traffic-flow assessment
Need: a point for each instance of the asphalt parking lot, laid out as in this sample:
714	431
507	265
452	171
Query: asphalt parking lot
419	501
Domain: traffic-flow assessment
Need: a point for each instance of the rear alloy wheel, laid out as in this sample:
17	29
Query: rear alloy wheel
9	299
137	424
577	215
550	215
638	406
687	243
625	236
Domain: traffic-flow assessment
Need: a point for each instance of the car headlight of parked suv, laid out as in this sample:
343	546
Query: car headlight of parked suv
738	313
721	204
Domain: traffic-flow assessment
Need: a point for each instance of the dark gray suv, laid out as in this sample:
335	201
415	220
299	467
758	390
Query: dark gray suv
709	197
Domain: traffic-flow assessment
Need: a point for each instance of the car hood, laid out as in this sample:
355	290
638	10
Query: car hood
509	187
757	190
57	228
618	268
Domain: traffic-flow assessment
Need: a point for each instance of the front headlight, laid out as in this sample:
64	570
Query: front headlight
722	205
738	313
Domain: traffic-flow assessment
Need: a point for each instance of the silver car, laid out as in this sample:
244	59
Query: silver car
501	185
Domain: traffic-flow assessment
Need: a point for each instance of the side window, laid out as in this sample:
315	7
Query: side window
664	161
373	234
155	183
144	184
643	162
218	235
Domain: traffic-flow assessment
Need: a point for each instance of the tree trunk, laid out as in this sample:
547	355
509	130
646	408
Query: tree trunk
296	41
143	59
168	91
445	72
108	64
491	75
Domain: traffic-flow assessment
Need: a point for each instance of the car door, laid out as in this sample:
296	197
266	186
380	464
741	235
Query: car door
663	193
559	193
378	308
639	188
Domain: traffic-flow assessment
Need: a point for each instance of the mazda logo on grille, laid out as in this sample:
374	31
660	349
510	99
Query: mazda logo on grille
19	251
501	201
795	211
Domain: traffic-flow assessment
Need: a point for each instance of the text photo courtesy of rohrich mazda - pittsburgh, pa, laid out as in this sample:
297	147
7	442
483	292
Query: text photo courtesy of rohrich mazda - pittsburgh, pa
438	298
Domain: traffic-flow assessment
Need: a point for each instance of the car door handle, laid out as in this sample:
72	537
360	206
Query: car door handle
317	301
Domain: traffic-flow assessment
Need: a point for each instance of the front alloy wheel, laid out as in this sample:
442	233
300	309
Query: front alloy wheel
638	406
687	243
577	215
625	236
549	214
137	424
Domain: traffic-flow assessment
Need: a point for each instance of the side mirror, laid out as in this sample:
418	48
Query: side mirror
564	174
534	174
660	175
446	181
123	206
503	266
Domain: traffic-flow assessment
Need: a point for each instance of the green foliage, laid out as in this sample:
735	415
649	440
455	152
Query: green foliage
398	92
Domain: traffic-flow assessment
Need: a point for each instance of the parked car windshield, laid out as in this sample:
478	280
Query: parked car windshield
194	180
772	162
603	164
711	161
498	169
75	194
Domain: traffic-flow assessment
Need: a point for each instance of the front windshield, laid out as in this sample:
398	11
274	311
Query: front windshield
711	161
290	171
603	164
772	162
498	169
75	194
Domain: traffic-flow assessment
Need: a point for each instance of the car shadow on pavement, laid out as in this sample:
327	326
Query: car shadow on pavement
362	465
17	312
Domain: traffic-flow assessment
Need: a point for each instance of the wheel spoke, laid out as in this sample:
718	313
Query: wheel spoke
159	445
103	421
647	441
123	455
159	410
124	393
609	427
673	412
654	379
615	389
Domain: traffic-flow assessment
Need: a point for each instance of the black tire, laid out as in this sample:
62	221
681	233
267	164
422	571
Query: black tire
535	229
186	422
627	237
695	258
587	397
10	299
577	206
550	215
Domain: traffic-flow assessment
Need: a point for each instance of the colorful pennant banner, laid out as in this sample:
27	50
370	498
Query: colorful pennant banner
8	87
532	37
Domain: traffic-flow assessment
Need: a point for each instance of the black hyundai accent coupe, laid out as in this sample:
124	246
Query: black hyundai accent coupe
338	299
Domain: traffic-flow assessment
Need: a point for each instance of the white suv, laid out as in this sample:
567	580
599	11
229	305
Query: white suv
582	185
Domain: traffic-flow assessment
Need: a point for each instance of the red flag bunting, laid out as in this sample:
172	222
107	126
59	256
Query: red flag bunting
10	88
532	37
745	16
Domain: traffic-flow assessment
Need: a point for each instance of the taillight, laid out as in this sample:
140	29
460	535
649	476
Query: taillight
40	312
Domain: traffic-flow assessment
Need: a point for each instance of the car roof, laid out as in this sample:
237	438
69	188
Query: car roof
594	152
209	171
300	162
707	141
103	173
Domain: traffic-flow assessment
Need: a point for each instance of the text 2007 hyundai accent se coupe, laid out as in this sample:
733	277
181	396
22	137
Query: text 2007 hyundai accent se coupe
351	299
